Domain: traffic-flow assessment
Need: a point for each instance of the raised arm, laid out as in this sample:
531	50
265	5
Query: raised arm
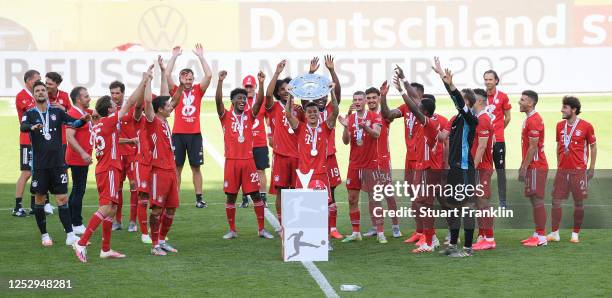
219	94
272	84
205	82
331	119
164	90
293	121
329	63
314	65
176	51
400	73
385	112
138	94
261	79
412	106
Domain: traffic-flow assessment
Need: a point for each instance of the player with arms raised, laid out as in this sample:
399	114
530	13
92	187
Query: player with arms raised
240	170
106	136
186	133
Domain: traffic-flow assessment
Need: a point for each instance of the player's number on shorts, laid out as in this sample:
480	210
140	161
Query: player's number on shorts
254	177
334	172
64	178
582	185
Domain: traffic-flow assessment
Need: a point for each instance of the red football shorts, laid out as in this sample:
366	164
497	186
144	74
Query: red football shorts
127	167
574	181
143	176
108	187
283	171
240	173
164	188
361	179
483	181
333	171
535	183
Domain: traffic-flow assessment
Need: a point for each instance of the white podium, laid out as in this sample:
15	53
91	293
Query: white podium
304	222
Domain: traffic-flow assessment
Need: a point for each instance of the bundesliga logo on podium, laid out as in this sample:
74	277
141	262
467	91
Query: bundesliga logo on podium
305	231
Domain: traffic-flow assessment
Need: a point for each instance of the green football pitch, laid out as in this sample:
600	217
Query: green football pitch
210	266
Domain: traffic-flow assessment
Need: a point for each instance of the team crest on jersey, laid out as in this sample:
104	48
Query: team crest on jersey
368	122
276	178
319	130
496	101
578	132
143	184
53	118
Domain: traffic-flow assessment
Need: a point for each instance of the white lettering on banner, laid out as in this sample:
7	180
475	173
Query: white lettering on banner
277	28
550	70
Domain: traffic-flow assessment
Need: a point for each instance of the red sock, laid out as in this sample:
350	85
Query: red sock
578	217
92	225
258	206
142	216
154	224
107	228
166	223
539	217
556	214
119	214
429	236
392	205
355	218
489	233
417	220
333	215
133	205
230	212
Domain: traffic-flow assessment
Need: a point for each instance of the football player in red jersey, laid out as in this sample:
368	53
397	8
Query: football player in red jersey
482	152
106	134
285	154
498	106
57	98
325	109
373	99
23	102
260	143
78	155
534	168
575	140
418	145
426	138
361	132
314	135
240	171
186	132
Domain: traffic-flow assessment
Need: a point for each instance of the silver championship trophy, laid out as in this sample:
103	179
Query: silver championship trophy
309	86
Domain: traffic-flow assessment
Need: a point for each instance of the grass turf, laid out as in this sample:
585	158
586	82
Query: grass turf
208	265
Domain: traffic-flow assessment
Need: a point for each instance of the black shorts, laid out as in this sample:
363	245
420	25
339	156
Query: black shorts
190	144
459	179
25	157
262	157
53	180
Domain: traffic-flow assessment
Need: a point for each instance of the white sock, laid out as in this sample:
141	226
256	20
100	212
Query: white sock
380	234
574	235
71	234
333	229
490	239
161	241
